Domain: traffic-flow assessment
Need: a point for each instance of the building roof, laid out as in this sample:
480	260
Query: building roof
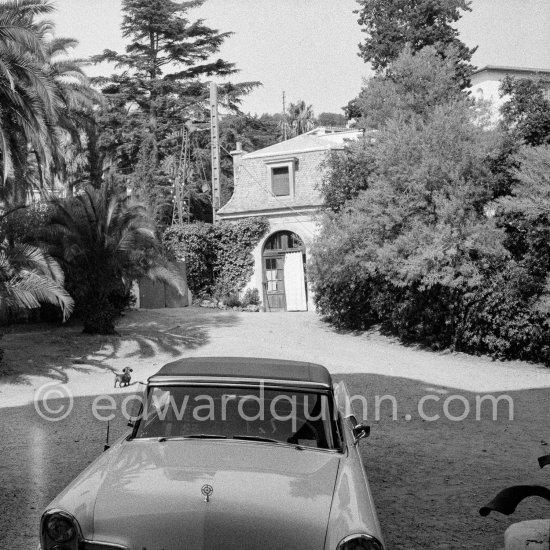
322	138
507	69
246	367
253	193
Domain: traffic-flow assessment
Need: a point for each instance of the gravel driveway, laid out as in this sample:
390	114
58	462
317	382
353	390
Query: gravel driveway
428	477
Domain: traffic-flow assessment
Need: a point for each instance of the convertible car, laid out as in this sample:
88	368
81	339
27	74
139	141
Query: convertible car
226	453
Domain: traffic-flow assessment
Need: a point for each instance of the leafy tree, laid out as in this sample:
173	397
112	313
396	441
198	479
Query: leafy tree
526	114
525	212
508	314
421	217
392	24
409	93
409	238
331	119
415	84
159	91
416	251
346	173
253	132
104	241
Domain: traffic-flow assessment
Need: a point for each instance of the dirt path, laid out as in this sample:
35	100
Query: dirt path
148	339
428	477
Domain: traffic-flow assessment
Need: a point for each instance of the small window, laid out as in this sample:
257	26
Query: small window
280	181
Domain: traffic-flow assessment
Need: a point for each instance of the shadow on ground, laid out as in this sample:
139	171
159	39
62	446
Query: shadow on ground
428	478
48	350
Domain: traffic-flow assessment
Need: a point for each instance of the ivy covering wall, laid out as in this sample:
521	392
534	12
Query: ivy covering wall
219	257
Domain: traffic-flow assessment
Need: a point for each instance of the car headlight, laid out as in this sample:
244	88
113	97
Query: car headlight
60	531
359	542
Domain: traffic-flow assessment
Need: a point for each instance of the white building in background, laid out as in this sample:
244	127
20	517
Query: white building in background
280	183
486	82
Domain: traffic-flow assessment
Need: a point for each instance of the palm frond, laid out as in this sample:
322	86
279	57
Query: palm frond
29	289
6	155
29	276
167	274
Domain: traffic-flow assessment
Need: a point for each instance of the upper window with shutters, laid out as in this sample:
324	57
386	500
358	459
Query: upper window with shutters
281	176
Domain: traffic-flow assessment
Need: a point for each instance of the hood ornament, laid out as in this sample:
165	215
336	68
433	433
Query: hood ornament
207	491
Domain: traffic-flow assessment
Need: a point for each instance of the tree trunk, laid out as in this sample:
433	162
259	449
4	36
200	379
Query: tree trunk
95	159
98	315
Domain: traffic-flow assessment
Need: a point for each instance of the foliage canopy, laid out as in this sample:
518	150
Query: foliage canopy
158	89
390	25
526	113
435	229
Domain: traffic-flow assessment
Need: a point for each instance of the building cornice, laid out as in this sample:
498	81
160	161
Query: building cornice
295	210
294	151
504	69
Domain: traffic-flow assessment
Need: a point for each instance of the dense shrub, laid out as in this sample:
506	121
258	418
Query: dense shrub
218	257
232	300
251	298
501	317
446	239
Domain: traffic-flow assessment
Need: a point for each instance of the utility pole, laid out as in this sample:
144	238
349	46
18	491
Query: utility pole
284	117
215	148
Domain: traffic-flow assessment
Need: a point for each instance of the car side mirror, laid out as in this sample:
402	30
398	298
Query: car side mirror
360	431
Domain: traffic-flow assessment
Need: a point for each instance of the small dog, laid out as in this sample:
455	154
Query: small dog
124	378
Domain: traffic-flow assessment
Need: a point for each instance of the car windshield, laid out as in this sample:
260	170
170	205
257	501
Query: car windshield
251	413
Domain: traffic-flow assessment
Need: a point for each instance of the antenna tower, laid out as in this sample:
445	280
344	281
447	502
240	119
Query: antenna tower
182	176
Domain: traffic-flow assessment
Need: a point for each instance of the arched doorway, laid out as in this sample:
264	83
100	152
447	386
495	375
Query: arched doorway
284	282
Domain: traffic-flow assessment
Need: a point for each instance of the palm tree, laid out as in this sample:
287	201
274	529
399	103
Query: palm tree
75	120
44	96
27	97
72	86
105	241
301	118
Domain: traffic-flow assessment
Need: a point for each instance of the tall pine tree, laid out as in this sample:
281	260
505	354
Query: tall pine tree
162	85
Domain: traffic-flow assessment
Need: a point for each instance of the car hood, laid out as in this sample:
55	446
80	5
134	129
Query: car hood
264	496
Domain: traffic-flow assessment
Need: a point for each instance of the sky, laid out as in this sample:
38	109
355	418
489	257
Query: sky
308	48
